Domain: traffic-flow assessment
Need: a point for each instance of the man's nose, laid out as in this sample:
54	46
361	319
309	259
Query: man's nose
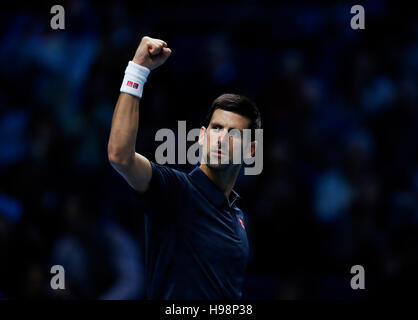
223	142
222	136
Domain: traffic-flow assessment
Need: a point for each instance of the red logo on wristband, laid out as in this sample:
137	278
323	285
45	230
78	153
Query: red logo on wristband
132	84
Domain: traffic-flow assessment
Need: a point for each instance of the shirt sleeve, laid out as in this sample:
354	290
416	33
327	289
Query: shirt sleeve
164	192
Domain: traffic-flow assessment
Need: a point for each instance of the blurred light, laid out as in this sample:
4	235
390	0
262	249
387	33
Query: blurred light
10	208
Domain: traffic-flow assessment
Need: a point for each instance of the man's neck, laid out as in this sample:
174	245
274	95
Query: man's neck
223	179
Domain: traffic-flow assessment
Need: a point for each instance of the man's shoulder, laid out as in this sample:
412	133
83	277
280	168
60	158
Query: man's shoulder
166	190
168	173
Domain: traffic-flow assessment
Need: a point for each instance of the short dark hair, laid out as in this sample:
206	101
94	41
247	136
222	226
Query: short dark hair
238	104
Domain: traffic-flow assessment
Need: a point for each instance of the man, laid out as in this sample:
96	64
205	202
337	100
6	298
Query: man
196	242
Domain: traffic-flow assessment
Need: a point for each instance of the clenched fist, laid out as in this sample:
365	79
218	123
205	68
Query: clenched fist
151	53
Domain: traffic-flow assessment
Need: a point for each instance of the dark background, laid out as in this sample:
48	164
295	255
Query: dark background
339	108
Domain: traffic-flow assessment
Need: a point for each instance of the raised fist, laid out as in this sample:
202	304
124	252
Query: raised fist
151	53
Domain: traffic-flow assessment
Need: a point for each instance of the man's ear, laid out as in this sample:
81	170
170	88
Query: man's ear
202	135
250	150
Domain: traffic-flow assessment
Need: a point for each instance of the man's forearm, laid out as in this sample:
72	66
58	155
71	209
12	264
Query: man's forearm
150	54
122	140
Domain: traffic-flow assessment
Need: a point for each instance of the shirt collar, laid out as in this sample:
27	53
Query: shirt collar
211	191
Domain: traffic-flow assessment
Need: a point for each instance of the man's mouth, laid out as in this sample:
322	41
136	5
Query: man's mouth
218	153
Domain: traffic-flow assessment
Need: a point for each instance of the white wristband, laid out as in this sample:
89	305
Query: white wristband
134	80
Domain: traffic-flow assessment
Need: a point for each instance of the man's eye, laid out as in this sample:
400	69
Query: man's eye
235	133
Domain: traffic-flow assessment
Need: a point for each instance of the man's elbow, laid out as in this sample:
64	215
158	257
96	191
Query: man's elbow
118	159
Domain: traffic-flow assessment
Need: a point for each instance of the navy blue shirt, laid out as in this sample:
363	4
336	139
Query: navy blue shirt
196	245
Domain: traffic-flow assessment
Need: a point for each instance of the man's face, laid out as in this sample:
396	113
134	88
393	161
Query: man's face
219	146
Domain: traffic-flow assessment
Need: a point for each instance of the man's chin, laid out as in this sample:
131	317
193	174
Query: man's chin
218	165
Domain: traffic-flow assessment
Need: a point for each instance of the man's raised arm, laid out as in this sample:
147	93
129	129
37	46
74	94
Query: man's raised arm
135	168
